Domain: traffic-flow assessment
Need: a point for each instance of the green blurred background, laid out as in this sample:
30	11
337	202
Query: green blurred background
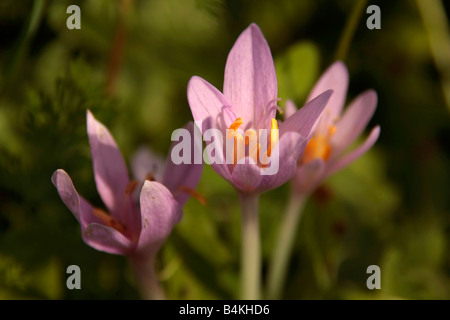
130	64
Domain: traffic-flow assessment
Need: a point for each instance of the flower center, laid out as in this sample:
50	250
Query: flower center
319	146
109	220
251	139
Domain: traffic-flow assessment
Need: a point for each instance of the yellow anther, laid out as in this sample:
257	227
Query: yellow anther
109	221
318	148
274	136
234	126
331	131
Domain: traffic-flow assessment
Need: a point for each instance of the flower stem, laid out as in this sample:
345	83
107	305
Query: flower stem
144	269
284	245
251	248
350	29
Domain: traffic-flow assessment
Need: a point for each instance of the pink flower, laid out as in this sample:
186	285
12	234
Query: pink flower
130	228
249	103
337	130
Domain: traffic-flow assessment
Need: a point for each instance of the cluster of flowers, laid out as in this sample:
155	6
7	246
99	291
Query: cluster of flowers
312	144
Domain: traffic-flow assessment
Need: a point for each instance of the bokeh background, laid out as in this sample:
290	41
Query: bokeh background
130	64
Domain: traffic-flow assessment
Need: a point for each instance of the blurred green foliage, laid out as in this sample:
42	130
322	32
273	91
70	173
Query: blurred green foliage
130	64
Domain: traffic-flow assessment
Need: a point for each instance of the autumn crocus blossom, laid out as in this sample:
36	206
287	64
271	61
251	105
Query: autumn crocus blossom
248	105
337	130
324	155
136	230
245	114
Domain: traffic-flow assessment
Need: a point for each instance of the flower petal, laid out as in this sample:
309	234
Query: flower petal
291	146
144	162
290	109
355	154
304	120
110	171
206	102
181	176
354	120
309	176
335	78
246	176
250	83
159	213
80	208
106	239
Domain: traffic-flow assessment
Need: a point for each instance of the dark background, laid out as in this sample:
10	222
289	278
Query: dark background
130	64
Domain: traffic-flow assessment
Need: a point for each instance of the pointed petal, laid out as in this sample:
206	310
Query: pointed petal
106	239
246	176
304	120
250	83
335	78
110	171
144	162
206	101
309	176
355	154
182	175
159	212
354	120
80	208
291	147
290	109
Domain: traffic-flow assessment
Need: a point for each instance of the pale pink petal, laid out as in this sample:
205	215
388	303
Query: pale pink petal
145	162
291	146
179	177
159	213
290	109
206	102
304	120
246	176
355	154
110	171
250	83
335	78
354	120
80	208
309	176
106	239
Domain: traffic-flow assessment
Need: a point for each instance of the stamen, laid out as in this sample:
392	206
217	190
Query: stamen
250	135
234	126
238	149
193	194
131	187
318	147
331	131
109	220
254	152
273	136
150	177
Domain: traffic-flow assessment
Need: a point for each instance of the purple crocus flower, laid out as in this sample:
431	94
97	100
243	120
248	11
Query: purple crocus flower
249	103
136	230
337	130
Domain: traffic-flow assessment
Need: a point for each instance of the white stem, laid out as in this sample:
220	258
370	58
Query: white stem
283	247
251	249
144	269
